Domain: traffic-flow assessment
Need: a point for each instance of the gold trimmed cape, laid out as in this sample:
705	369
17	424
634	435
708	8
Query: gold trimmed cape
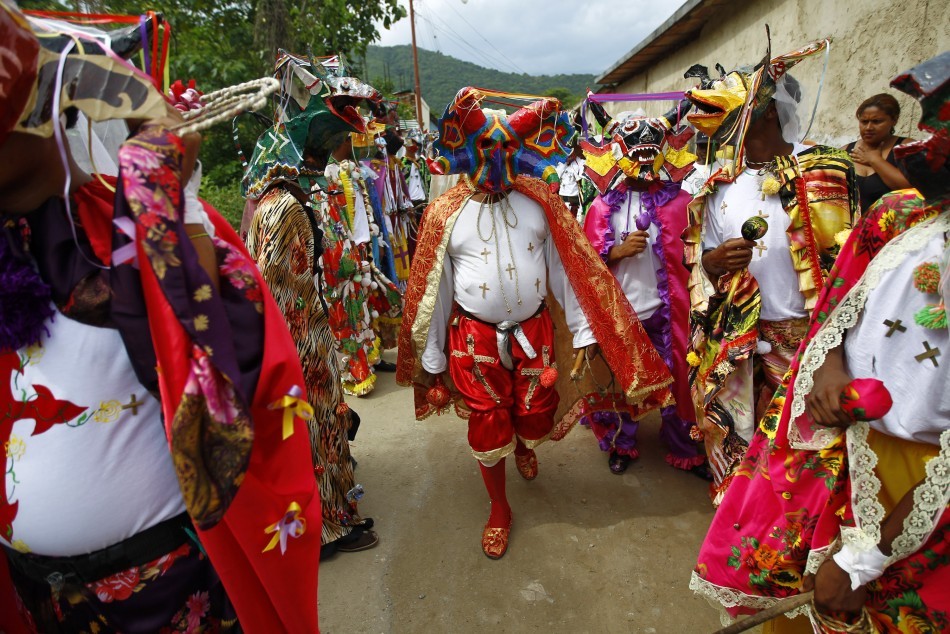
639	369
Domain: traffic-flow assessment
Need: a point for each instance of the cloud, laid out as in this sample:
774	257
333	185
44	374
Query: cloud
538	37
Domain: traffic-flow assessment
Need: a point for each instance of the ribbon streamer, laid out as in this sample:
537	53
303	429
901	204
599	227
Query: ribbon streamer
294	407
290	525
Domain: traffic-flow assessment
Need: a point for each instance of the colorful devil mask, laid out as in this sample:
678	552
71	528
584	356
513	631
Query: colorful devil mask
925	162
648	149
317	101
725	106
92	79
492	148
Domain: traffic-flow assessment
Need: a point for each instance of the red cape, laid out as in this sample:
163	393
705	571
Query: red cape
643	376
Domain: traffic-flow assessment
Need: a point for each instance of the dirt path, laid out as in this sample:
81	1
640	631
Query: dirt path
590	551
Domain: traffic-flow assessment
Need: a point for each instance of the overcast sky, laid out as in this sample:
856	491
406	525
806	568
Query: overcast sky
538	37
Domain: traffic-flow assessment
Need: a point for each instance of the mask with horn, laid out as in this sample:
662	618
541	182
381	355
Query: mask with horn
725	106
925	162
46	69
317	102
492	148
648	149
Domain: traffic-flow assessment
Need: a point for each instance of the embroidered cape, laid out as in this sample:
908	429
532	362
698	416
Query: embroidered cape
640	371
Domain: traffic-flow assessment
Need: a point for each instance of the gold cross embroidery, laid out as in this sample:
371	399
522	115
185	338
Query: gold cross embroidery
477	371
485	288
531	247
761	247
929	353
510	270
485	253
894	326
537	286
535	374
134	404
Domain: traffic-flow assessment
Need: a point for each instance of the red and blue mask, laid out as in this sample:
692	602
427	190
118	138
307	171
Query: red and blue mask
492	148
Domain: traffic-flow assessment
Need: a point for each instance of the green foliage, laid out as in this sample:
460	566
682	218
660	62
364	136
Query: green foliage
227	199
442	77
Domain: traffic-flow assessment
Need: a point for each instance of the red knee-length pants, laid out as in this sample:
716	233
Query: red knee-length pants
504	403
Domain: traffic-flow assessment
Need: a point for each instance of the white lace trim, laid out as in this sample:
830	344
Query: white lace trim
845	316
721	598
865	485
818	556
930	499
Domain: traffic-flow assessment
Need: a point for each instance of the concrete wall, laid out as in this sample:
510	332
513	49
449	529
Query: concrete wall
872	40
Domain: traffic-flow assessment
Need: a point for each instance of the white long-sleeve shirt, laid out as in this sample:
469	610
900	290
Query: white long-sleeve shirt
636	274
479	253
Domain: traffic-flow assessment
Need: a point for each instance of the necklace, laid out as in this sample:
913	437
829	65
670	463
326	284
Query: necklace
510	221
765	177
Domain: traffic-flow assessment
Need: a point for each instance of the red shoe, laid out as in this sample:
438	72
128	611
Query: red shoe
527	465
495	541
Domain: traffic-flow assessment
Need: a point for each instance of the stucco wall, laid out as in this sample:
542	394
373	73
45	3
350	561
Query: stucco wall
872	40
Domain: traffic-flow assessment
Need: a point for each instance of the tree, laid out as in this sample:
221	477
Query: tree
564	95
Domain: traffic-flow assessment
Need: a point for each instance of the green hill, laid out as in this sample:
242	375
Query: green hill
441	76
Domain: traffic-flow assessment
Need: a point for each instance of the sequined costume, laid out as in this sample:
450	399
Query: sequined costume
808	198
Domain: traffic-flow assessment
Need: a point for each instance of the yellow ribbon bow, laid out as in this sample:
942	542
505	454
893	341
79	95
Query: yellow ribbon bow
291	524
293	406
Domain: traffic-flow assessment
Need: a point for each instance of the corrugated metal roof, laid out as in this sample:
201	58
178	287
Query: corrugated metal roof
683	26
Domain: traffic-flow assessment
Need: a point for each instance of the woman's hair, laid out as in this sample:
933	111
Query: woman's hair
883	102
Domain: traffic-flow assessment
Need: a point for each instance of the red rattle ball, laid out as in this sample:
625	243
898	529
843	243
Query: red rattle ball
865	399
438	395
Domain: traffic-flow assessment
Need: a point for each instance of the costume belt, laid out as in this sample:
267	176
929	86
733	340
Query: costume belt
504	331
140	549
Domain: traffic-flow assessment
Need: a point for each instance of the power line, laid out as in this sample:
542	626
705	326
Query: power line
484	39
447	29
431	32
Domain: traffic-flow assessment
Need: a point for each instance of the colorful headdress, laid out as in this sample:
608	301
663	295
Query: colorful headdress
317	101
724	107
492	148
645	148
45	70
925	162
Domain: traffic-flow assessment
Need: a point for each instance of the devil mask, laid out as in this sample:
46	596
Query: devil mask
925	162
648	149
317	102
492	148
725	105
43	69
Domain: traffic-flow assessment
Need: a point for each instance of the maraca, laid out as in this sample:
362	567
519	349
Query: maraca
754	228
865	399
643	222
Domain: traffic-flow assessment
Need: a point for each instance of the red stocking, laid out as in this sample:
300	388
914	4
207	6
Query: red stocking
494	478
521	449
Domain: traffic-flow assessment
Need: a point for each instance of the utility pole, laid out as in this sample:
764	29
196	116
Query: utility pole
415	65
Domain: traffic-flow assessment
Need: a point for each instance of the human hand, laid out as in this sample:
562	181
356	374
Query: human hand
730	256
823	404
833	591
633	244
864	156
